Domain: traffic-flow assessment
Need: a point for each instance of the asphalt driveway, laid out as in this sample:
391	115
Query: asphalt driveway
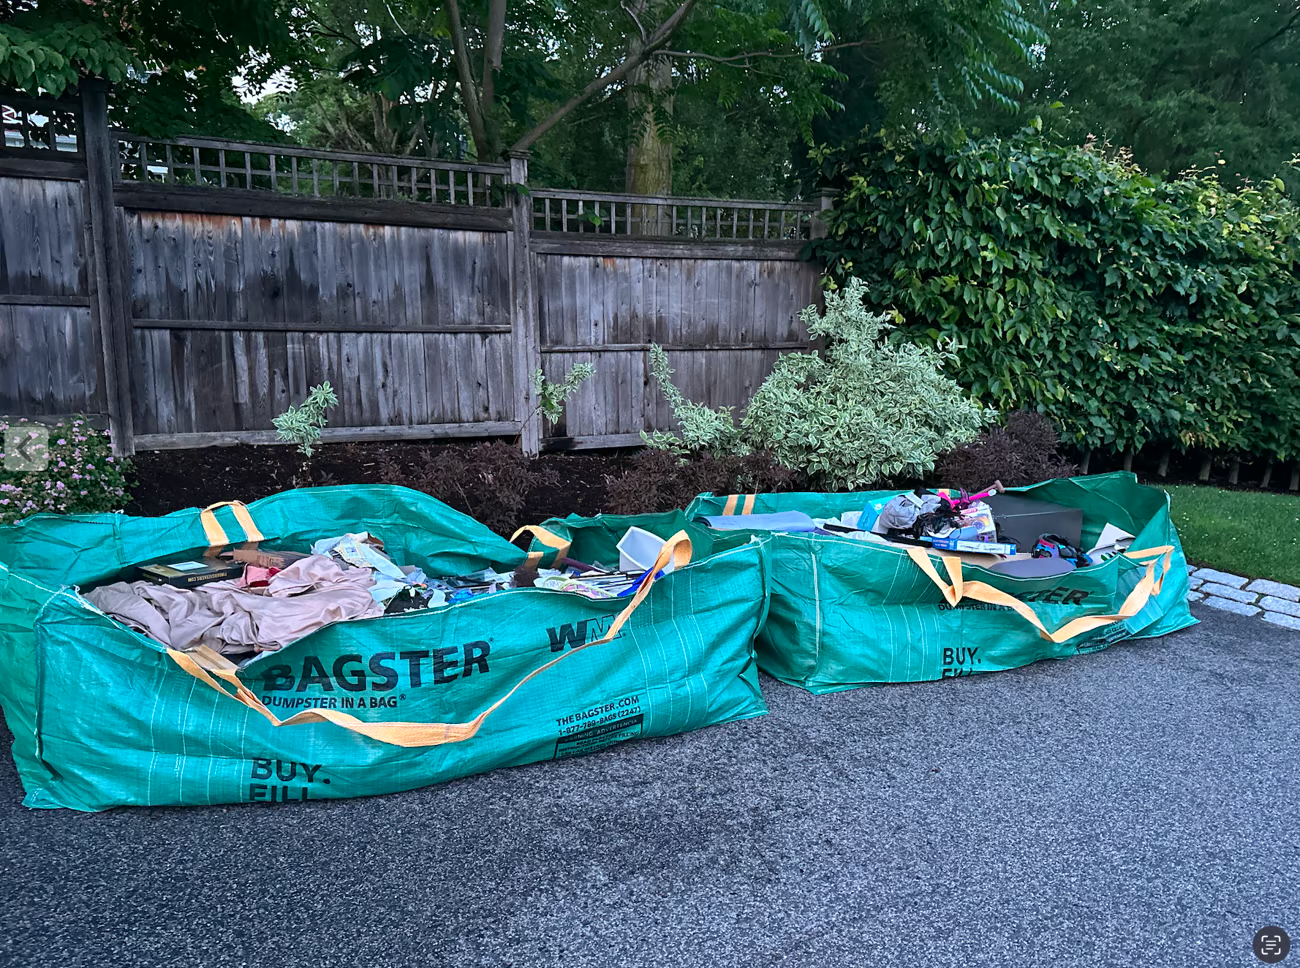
1134	807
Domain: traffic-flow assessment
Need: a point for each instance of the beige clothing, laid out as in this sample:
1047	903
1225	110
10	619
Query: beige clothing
310	593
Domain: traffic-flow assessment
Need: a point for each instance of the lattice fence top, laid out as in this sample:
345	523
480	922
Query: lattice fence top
287	169
591	213
39	126
43	127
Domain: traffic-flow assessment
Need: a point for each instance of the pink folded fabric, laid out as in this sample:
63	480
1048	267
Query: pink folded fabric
230	618
255	576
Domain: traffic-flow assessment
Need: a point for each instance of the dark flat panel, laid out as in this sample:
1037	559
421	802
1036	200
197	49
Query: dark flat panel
281	326
32	166
488	428
591	442
9	299
42	245
235	201
557	243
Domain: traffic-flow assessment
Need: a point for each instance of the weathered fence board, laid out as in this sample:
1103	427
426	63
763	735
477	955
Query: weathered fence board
722	321
50	361
609	300
192	290
247	313
189	270
51	354
195	381
42	238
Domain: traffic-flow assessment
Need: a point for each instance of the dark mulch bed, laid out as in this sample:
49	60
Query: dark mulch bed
171	480
553	485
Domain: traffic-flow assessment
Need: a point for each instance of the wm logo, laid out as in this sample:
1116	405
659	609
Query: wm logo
579	633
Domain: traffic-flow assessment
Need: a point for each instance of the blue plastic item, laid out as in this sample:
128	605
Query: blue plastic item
785	521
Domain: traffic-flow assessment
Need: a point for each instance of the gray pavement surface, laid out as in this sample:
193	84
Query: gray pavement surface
1134	807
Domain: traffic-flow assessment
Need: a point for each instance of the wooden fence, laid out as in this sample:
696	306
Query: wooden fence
191	290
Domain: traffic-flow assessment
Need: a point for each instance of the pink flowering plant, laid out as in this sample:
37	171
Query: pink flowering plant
81	475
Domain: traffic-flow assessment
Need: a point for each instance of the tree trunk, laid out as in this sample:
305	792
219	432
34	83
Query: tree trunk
1083	464
1267	479
469	93
492	50
1128	460
649	150
1234	473
385	142
1295	479
1207	465
1163	469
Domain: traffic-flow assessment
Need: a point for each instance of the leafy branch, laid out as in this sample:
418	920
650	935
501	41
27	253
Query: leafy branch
302	424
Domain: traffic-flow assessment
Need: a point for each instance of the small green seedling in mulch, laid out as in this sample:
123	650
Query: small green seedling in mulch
551	396
302	425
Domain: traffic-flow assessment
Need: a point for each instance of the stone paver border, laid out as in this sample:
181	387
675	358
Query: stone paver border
1273	601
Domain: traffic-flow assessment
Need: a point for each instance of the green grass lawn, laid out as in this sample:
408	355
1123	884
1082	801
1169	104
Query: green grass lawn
1244	532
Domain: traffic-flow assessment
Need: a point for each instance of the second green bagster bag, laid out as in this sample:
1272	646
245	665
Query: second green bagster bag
847	612
104	716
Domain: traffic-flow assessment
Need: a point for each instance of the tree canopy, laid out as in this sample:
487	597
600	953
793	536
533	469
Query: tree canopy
1184	84
717	96
172	73
720	97
731	88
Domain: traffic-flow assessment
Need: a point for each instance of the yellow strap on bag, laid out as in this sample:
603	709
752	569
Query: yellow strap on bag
216	534
1148	585
744	501
209	666
549	538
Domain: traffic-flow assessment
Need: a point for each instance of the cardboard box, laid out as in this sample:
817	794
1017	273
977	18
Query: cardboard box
268	557
973	547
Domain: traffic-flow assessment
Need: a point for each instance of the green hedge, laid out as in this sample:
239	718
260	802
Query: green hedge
1129	309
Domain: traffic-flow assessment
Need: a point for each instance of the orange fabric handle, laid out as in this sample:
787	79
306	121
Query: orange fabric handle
1149	585
209	666
216	534
745	502
549	538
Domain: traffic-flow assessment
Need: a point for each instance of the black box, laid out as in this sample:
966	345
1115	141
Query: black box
191	573
1022	520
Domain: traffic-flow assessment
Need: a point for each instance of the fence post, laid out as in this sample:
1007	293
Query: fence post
106	256
525	343
825	199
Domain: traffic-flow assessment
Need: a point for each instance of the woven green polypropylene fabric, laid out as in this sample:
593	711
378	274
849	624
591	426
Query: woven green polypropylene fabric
103	717
847	613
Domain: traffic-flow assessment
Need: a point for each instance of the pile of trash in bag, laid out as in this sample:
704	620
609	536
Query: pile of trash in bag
910	586
248	600
1029	538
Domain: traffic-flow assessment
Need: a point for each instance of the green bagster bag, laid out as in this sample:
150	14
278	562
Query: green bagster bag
103	716
847	612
